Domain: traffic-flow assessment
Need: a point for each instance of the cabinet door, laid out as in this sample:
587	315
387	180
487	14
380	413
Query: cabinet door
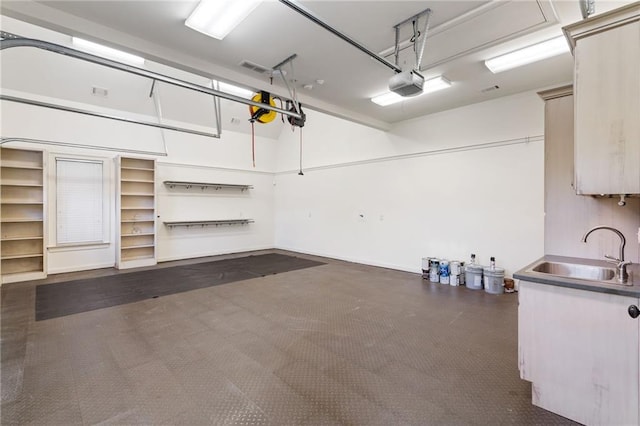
580	351
607	150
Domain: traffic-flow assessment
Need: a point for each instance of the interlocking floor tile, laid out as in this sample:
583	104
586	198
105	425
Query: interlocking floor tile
338	344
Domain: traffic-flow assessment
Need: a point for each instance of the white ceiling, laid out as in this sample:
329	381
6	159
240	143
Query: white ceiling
462	35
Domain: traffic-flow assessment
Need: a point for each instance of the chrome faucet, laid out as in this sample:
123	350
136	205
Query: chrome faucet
621	265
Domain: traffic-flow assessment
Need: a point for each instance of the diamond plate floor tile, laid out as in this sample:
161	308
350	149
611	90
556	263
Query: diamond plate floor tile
412	408
103	393
216	399
126	418
130	349
156	394
274	397
339	344
331	398
259	350
68	416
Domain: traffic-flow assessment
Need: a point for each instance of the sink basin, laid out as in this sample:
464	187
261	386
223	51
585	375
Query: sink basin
573	270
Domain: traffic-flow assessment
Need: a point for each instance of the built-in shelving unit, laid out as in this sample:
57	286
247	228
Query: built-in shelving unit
136	213
204	185
22	215
203	223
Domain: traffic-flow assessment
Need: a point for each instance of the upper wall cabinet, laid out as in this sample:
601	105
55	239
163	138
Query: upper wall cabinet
607	101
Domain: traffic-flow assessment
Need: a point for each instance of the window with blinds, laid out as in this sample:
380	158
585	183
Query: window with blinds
79	201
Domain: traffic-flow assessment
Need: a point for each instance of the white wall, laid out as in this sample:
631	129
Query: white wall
227	160
179	203
54	78
411	203
368	196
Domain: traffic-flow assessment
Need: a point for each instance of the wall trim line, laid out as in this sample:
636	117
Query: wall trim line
441	151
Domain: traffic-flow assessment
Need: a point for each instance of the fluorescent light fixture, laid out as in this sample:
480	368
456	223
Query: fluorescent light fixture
387	99
435	84
235	90
217	18
527	55
106	52
431	85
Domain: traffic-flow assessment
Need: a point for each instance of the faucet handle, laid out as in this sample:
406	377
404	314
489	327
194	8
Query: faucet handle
619	263
612	259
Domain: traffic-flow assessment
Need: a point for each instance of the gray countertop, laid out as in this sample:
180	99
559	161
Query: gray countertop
633	290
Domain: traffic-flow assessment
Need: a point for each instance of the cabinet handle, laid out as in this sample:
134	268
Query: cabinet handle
634	312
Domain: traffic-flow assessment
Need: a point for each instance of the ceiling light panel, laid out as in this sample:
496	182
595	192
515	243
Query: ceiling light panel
527	55
217	18
235	90
106	52
388	98
430	86
435	84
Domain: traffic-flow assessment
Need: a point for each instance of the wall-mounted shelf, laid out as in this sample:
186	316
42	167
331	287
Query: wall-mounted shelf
203	185
203	223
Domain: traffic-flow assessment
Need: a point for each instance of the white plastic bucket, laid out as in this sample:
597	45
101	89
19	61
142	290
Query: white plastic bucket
473	276
494	280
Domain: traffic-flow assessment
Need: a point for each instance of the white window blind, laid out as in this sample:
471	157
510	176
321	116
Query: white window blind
79	201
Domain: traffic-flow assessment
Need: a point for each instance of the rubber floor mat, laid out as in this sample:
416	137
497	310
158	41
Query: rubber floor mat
72	297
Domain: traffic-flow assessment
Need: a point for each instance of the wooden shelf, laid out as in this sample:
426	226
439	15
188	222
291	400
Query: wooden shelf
19	202
137	168
15	179
204	223
21	256
138	180
22	193
27	185
203	185
138	257
17	166
14	270
137	246
136	212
